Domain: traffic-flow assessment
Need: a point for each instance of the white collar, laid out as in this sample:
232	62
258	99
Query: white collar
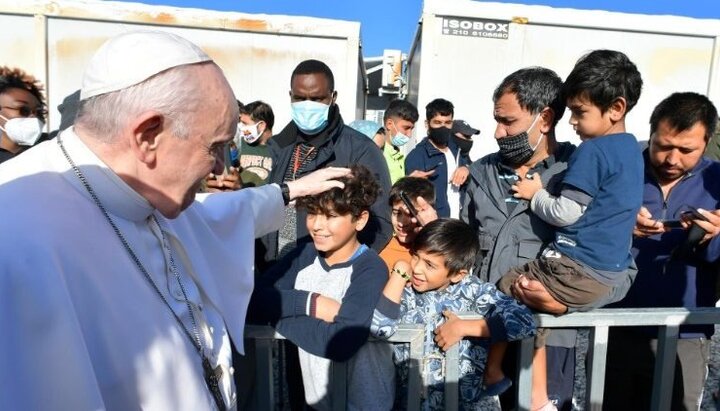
114	194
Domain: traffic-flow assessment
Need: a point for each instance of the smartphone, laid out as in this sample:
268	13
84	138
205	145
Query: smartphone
405	199
672	224
694	214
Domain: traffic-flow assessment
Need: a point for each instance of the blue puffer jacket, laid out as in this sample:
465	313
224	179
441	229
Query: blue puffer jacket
678	282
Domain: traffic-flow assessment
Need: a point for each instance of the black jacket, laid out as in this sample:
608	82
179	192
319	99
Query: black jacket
341	146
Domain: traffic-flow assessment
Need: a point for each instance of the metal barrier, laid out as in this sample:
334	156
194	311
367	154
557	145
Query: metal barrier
264	336
598	321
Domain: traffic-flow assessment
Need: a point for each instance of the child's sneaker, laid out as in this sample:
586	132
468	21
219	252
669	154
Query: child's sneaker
497	388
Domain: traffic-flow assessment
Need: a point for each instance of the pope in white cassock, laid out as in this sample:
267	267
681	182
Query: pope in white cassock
118	288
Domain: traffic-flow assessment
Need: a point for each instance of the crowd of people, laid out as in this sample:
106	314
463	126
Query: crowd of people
177	215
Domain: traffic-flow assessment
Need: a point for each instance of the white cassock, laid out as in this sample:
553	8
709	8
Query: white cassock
81	328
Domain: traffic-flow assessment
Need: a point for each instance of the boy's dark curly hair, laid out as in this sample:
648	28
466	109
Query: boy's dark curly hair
360	192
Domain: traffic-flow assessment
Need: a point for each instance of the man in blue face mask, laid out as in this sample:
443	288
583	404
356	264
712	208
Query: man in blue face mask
400	118
316	138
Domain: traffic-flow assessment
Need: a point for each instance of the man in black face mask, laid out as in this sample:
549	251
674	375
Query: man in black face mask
462	135
438	159
528	105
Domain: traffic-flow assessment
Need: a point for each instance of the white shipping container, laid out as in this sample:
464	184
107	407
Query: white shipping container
54	40
463	49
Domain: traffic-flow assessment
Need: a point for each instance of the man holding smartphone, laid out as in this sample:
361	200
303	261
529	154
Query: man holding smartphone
674	269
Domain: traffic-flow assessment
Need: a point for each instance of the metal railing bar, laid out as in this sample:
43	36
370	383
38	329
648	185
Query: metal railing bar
452	357
414	369
664	368
597	357
621	317
339	374
523	390
264	384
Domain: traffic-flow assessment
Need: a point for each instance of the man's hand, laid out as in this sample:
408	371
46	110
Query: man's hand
533	294
645	226
326	308
215	183
317	182
527	187
450	332
711	226
460	176
422	174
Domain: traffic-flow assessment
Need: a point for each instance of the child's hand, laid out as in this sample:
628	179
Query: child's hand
527	187
450	332
426	213
326	308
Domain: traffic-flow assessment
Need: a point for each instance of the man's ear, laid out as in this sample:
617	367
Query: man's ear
617	109
146	130
362	220
455	278
334	97
547	117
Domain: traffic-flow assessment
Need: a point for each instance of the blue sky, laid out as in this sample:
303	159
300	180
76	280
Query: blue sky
391	24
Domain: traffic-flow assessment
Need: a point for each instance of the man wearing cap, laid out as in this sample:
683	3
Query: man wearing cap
128	295
462	134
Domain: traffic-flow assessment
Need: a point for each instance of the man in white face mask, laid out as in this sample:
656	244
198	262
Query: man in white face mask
253	156
22	111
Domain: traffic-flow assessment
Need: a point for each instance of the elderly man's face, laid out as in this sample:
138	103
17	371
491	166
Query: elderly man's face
184	163
673	153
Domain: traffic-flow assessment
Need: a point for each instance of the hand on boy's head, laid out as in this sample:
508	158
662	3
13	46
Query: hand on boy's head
527	187
326	308
646	226
450	332
426	213
317	182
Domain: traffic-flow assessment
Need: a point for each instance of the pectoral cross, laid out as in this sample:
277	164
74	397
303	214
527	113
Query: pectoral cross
212	380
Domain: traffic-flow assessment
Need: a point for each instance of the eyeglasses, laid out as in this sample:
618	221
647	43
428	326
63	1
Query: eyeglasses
26	111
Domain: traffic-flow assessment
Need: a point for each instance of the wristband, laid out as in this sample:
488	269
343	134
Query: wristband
313	303
402	274
285	191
